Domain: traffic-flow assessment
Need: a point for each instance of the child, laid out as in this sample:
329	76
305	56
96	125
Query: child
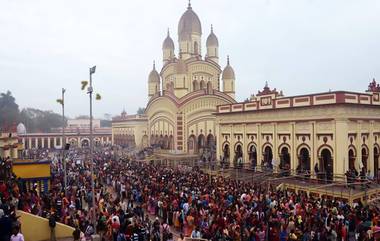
16	235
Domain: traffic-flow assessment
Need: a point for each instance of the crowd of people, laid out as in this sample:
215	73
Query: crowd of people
139	200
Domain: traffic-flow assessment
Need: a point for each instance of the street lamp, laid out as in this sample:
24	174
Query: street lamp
63	144
89	92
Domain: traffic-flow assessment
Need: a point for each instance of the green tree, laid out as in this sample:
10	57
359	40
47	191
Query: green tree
9	111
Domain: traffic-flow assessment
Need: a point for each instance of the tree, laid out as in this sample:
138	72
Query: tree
9	111
36	120
141	111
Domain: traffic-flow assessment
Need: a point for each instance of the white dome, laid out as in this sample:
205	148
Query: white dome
154	76
189	24
212	40
168	43
21	130
228	72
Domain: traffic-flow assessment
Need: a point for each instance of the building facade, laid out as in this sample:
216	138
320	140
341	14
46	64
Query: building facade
75	135
130	130
337	131
183	96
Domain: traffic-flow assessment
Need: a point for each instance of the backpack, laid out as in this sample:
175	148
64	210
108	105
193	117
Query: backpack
52	222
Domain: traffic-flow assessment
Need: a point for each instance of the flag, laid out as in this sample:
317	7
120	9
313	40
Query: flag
60	101
84	84
92	70
98	97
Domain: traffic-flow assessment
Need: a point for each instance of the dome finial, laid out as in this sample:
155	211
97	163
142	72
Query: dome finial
212	29
168	33
228	60
154	64
189	5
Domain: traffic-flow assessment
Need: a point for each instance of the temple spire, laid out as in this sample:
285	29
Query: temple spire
154	64
212	29
228	60
189	5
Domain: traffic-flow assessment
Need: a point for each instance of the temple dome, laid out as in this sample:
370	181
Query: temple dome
228	72
153	75
189	24
212	40
168	43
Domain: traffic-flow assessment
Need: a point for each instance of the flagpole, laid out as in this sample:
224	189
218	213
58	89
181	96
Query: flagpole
64	141
90	90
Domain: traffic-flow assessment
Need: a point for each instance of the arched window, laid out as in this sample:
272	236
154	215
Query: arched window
326	164
195	48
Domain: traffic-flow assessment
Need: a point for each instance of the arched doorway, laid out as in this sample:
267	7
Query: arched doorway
210	143
210	150
252	153
144	141
85	143
285	159
191	144
201	143
171	142
166	142
238	159
152	140
376	162
351	159
268	156
304	160
365	158
73	142
327	164
226	153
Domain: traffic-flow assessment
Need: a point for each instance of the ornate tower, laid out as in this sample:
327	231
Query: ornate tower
153	81
228	78
168	49
189	34
212	45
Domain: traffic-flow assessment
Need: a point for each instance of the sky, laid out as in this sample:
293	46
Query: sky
298	46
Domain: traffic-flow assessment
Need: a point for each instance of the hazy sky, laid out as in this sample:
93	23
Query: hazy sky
299	46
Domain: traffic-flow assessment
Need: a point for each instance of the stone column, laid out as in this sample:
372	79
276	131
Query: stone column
314	148
42	142
30	142
371	141
340	161
259	149
49	143
276	155
219	140
294	156
358	146
245	144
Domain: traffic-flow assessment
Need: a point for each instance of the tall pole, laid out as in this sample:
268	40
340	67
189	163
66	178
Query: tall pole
90	90
64	140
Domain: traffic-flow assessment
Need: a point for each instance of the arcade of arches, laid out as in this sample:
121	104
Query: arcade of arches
328	134
54	140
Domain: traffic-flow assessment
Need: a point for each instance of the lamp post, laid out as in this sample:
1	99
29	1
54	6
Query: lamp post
63	144
89	92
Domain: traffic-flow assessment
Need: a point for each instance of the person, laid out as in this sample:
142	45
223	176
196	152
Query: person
6	226
16	235
52	224
76	234
196	233
316	170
